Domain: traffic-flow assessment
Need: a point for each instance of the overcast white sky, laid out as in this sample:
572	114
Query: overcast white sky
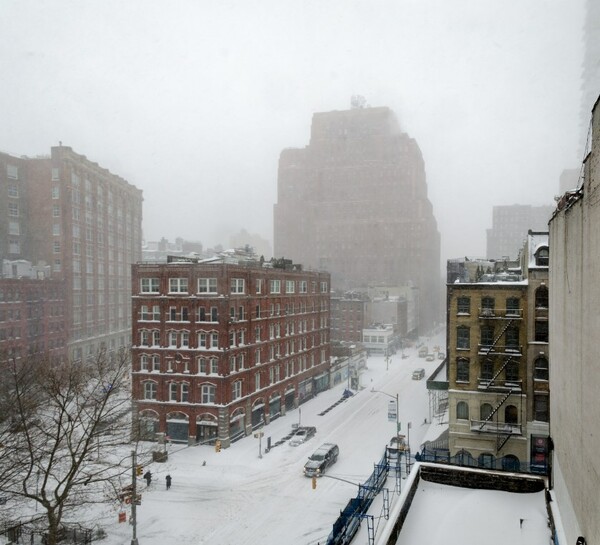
192	101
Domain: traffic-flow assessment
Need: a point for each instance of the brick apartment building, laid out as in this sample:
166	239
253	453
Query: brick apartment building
32	318
220	348
498	362
68	213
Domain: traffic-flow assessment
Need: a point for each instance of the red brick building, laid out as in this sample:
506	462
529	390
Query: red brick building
32	318
220	348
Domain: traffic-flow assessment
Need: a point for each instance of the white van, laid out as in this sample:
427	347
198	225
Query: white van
418	374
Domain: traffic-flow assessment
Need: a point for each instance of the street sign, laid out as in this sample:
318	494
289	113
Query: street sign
392	410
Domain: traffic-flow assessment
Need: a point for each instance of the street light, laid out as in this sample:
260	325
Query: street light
373	391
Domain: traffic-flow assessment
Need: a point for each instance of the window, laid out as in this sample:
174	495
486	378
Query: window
202	366
12	172
462	410
303	286
511	415
487	369
173	391
149	390
512	338
541	331
463	337
207	393
512	306
323	287
487	460
257	381
512	371
178	285
149	285
214	314
463	305
13	191
487	306
214	366
184	392
13	209
540	369
290	286
542	256
207	285
487	336
236	389
485	411
275	286
202	340
237	285
214	340
144	362
55	192
201	314
55	211
540	407
462	370
259	285
541	297
14	228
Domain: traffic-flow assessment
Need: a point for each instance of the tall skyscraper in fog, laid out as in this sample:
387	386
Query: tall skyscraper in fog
354	202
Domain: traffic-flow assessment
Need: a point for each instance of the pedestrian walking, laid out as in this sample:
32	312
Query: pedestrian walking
168	479
148	477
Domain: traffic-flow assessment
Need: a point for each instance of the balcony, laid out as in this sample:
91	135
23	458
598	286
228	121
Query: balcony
500	350
499	384
501	313
503	428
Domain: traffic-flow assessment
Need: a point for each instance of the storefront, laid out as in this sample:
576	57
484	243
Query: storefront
321	382
206	429
275	406
178	426
289	399
237	428
258	413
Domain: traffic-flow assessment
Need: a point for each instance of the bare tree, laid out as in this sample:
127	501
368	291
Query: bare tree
62	431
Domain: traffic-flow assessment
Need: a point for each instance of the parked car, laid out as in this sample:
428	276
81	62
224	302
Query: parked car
423	351
441	355
430	357
396	446
302	435
418	374
326	455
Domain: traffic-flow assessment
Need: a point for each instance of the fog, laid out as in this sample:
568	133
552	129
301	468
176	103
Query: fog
192	101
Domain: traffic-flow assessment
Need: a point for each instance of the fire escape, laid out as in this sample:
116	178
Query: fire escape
509	353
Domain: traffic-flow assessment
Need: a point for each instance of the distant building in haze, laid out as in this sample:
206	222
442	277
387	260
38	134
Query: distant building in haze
354	202
510	225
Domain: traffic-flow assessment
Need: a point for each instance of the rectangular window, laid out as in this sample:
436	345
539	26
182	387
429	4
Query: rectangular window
202	340
208	393
13	209
463	337
257	382
463	305
236	389
14	228
541	408
12	172
13	191
178	285
55	192
259	284
323	287
214	340
237	285
275	286
149	285
290	286
303	286
207	285
214	366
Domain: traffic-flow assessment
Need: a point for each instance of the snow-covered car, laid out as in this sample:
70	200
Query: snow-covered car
302	435
430	357
396	446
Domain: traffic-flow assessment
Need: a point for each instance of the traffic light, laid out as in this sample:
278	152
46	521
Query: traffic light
217	446
139	470
314	482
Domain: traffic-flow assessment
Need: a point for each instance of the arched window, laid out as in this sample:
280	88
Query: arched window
487	460
541	297
485	411
462	410
511	463
511	415
150	389
464	458
462	370
542	256
541	370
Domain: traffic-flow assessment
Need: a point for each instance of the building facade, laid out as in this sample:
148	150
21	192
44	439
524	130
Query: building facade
510	225
497	350
222	348
354	202
349	315
69	213
32	315
575	371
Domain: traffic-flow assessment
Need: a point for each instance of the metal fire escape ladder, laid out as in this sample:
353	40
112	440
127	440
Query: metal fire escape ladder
501	440
499	336
506	362
490	416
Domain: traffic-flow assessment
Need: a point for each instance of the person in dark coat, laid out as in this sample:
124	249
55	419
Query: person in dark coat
148	477
168	479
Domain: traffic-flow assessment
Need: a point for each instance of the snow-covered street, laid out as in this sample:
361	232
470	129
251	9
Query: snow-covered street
237	497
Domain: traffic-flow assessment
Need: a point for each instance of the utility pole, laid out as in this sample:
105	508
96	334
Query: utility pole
134	540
